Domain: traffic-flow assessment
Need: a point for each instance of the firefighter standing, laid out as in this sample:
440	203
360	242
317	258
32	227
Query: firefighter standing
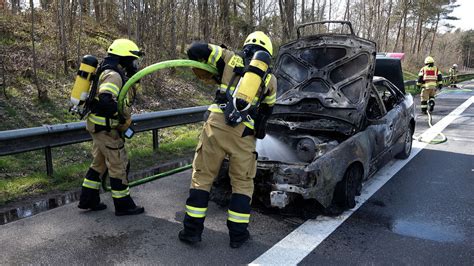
231	131
106	127
453	76
429	78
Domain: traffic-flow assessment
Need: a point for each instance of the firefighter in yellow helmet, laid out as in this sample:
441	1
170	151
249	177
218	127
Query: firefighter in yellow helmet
453	76
106	127
244	101
429	78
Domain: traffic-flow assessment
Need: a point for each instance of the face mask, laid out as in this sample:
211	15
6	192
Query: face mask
131	67
249	51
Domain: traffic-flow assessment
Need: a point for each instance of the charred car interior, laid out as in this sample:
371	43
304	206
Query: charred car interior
334	124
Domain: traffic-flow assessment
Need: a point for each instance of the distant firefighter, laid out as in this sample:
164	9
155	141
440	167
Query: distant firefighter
453	76
429	78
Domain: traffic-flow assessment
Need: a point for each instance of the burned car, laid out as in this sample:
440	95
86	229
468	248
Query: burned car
334	123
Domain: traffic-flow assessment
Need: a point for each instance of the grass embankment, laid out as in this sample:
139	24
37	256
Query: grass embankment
23	175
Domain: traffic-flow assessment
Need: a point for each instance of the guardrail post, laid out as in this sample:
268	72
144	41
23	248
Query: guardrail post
49	161
156	139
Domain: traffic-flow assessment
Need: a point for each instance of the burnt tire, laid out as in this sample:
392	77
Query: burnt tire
407	144
347	189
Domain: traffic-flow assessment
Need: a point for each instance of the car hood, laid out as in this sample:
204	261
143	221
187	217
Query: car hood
328	75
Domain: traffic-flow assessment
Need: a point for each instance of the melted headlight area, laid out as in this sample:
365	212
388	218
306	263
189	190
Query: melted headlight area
293	149
283	172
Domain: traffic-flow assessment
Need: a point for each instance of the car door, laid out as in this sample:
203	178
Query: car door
395	117
377	130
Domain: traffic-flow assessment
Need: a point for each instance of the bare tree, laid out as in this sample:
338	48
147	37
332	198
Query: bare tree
186	21
42	94
63	37
15	6
387	25
97	10
79	34
128	14
204	19
287	10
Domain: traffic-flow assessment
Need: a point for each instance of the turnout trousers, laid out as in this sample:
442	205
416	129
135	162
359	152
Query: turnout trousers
108	150
427	93
217	141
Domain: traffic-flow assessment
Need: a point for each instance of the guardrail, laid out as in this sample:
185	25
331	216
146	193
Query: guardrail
460	78
50	136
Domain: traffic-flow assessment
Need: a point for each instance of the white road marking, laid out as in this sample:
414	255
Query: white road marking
304	239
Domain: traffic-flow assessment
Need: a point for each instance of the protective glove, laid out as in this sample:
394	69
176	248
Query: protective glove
204	76
123	126
261	120
261	126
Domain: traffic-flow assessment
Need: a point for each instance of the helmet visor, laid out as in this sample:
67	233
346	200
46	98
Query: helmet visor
138	53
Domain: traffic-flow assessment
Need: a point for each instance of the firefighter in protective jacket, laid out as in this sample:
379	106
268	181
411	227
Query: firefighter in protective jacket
106	127
243	103
453	76
429	78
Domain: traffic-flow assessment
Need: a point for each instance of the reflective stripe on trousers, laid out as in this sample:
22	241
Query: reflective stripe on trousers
237	217
120	193
91	184
196	212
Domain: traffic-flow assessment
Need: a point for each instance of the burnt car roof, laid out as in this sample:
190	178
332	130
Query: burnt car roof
326	74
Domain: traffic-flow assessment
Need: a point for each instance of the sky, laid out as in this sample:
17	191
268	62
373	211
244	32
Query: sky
465	14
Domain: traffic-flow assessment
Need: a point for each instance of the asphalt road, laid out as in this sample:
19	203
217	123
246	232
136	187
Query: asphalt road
422	215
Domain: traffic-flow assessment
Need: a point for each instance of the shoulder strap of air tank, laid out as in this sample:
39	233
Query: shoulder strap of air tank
237	69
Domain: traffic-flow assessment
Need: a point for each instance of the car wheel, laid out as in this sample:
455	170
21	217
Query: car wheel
347	188
407	144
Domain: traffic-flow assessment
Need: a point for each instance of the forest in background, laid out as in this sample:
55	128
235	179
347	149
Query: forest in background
163	28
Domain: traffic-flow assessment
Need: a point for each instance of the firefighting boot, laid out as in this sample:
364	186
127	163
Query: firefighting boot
238	219
431	105
196	207
124	204
424	107
90	198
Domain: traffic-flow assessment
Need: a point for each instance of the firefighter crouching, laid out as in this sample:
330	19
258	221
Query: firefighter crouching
243	103
107	127
429	78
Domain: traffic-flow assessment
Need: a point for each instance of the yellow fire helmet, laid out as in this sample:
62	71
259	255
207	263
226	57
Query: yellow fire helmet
124	47
429	60
261	39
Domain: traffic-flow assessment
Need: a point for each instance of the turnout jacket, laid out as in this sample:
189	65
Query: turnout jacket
226	61
430	77
104	114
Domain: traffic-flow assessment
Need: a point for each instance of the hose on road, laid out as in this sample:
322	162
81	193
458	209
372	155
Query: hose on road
435	140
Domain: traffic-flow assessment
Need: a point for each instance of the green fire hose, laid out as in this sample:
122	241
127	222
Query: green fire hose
150	178
440	140
155	67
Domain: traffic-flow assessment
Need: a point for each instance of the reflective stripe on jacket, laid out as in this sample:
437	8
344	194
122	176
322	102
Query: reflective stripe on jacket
109	82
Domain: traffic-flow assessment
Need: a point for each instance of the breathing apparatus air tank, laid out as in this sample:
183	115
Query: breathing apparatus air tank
249	84
82	84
